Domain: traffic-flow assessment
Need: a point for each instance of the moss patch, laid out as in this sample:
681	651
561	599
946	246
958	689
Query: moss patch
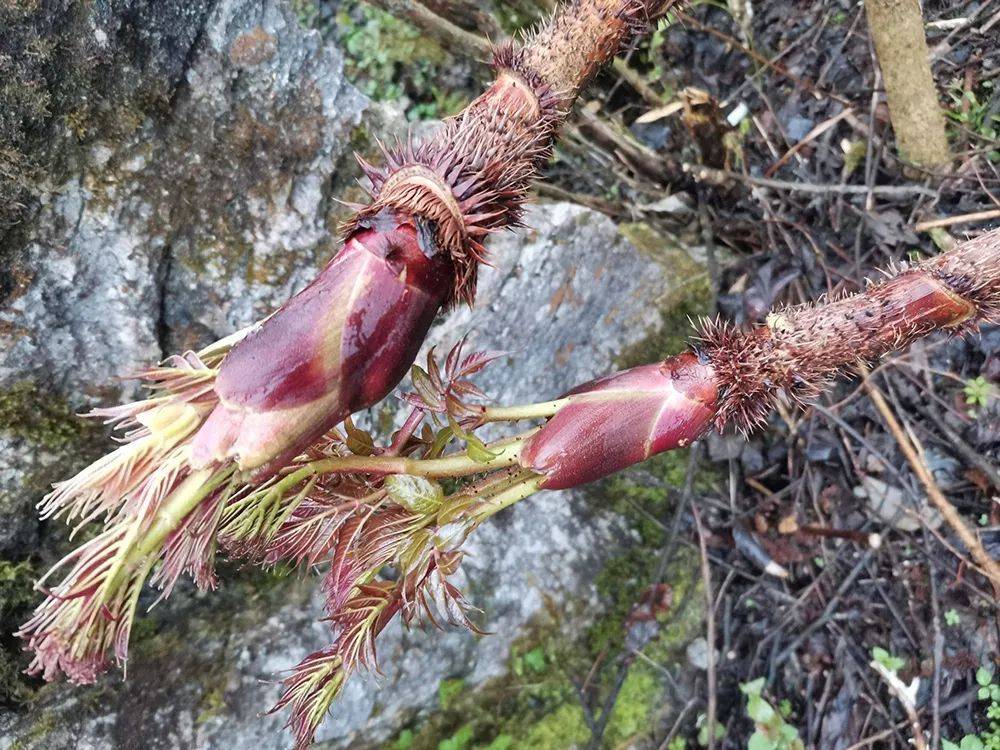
687	298
62	84
42	419
536	705
37	732
565	727
16	598
388	58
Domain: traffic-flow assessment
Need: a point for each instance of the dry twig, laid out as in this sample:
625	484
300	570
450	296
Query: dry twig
984	562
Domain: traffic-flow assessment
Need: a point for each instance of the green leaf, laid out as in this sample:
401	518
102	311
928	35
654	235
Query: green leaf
789	733
535	659
754	687
887	660
405	740
458	741
760	710
785	708
424	387
478	450
359	442
971	742
951	618
416	494
448	690
760	741
984	677
501	742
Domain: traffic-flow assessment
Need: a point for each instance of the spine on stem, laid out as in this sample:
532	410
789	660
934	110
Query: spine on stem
798	350
735	376
471	178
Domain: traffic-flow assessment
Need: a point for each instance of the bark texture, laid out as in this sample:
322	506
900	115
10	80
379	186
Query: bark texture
897	28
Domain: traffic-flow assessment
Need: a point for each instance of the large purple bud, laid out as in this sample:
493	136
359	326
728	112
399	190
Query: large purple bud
338	346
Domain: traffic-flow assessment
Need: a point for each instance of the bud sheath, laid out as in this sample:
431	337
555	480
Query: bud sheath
616	421
338	346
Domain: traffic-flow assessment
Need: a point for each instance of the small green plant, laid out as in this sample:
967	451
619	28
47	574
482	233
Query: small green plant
500	742
702	725
389	58
977	391
458	741
773	732
404	741
887	660
530	661
989	738
973	114
951	618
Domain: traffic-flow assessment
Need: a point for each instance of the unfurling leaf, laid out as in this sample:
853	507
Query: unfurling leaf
416	494
330	351
359	442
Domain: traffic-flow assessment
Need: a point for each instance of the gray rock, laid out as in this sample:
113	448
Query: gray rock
564	300
196	224
200	222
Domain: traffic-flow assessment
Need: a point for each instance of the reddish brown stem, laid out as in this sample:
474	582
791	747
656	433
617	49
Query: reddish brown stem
799	349
472	177
736	375
344	342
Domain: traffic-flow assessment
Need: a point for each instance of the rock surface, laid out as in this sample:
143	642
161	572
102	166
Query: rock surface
199	222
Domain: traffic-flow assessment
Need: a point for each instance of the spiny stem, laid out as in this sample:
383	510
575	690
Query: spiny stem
800	349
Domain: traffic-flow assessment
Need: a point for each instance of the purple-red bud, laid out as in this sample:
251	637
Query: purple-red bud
338	346
622	419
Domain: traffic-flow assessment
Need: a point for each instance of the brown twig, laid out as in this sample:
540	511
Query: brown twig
722	177
476	47
444	32
984	562
902	693
923	226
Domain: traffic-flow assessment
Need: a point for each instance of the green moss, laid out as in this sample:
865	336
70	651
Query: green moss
213	701
644	498
42	419
16	598
388	59
37	732
562	729
685	298
448	690
16	586
307	12
635	703
61	88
